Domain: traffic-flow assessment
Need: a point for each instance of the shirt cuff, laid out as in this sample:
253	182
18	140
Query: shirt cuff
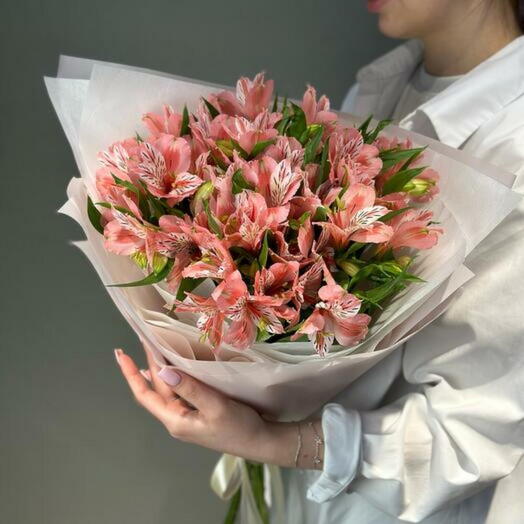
342	452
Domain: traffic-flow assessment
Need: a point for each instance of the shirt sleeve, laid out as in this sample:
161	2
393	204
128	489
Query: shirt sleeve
348	104
461	425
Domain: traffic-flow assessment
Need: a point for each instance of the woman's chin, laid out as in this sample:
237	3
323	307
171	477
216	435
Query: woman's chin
392	27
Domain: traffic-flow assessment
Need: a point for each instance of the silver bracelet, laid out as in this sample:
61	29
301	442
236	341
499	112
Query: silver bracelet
318	442
299	444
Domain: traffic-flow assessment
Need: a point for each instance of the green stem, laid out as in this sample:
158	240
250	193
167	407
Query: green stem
233	508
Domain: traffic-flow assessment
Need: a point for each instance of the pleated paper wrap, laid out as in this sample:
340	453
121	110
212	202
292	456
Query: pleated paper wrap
99	103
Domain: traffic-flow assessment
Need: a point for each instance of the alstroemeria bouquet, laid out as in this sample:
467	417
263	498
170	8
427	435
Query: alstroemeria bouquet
307	227
268	231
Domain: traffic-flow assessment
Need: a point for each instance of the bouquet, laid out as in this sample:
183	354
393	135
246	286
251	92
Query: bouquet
298	220
274	249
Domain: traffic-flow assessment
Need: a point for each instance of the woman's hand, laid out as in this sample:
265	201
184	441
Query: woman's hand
196	413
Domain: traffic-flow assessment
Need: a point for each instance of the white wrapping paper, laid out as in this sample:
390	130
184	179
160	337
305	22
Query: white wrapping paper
98	104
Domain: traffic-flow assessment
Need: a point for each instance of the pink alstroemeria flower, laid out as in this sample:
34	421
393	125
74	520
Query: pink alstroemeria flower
211	319
335	316
252	97
168	122
249	132
286	148
246	312
411	229
164	169
252	217
174	240
214	260
352	161
277	182
280	280
126	235
117	195
121	159
317	112
358	220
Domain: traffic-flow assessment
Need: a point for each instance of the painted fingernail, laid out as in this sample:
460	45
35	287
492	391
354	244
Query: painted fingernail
169	376
146	374
118	352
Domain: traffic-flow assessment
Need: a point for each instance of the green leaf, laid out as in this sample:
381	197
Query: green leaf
218	161
186	286
94	216
310	151
242	152
260	146
341	278
372	136
363	273
284	105
262	258
126	184
241	253
213	111
152	278
211	220
282	124
394	213
323	169
321	214
184	127
274	109
298	122
392	157
297	223
400	179
363	128
239	182
379	293
354	247
124	210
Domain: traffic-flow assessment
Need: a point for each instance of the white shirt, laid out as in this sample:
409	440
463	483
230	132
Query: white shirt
435	432
421	87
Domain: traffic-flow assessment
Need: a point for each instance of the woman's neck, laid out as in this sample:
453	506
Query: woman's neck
460	47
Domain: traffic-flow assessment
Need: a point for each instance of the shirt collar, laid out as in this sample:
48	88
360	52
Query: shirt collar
458	111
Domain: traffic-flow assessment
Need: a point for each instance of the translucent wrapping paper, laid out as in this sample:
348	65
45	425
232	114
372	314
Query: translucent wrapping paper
99	103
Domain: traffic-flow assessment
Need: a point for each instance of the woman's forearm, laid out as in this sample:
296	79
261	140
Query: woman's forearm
294	444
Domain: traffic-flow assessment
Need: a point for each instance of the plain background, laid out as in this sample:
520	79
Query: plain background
74	447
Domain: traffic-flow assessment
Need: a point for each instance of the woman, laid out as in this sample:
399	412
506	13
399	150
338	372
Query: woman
428	434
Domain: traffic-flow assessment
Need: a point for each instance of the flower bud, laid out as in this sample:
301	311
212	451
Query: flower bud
140	258
204	192
348	267
226	146
418	186
404	261
159	262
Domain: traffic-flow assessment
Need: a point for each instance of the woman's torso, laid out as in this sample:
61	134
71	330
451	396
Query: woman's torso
483	114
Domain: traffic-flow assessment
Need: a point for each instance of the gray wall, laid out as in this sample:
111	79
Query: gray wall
75	448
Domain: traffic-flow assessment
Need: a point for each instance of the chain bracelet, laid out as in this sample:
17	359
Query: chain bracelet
318	442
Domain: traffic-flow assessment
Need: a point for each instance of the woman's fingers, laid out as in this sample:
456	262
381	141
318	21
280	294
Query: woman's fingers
160	386
144	395
204	398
